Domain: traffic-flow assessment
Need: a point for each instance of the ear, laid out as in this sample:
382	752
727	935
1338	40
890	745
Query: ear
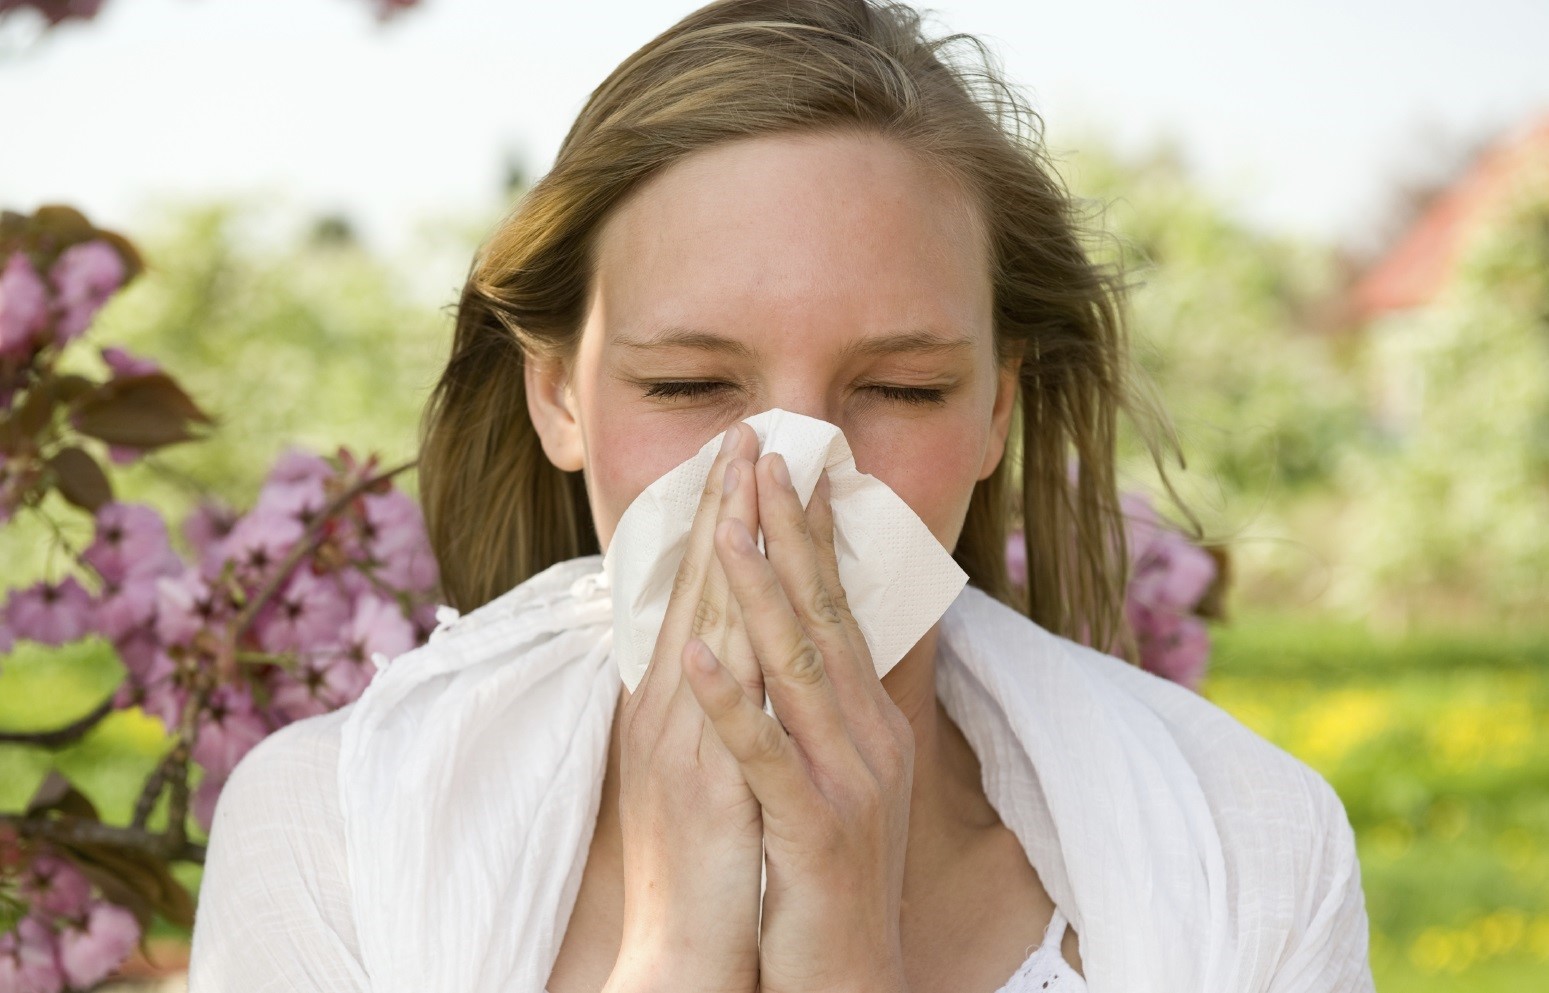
551	404
1008	383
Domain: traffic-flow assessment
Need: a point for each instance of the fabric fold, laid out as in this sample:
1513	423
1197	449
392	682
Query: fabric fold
1187	852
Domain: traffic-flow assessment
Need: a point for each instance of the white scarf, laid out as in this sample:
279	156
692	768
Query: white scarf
1188	853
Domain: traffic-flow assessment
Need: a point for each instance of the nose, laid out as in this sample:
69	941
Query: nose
809	402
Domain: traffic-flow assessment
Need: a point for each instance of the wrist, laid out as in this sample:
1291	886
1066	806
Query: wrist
682	967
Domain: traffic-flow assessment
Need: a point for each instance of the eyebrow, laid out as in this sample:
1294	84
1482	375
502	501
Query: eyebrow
918	341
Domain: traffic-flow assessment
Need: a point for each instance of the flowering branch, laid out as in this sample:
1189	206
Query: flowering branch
280	616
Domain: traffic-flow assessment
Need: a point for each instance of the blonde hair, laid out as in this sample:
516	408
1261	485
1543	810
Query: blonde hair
499	512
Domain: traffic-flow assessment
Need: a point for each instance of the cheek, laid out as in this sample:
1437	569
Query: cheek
931	466
625	453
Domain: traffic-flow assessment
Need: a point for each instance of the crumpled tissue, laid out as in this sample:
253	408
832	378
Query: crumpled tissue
899	579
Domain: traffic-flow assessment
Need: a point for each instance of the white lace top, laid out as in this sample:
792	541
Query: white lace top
1046	970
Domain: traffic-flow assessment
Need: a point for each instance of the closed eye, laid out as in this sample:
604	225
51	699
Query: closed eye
693	388
683	389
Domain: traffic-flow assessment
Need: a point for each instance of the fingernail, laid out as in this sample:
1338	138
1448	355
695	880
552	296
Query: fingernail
731	478
729	439
781	476
742	540
823	485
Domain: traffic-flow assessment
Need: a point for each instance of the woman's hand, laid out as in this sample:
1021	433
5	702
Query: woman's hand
834	780
692	828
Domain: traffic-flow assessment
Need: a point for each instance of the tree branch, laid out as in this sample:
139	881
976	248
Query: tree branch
60	737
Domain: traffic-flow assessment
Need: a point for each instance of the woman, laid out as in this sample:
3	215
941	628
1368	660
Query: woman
801	204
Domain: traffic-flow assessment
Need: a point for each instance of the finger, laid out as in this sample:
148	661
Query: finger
717	620
660	681
820	523
795	673
762	748
794	557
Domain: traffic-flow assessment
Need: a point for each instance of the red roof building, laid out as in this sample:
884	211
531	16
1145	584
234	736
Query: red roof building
1423	260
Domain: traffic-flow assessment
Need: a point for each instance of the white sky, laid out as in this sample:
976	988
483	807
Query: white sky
1302	115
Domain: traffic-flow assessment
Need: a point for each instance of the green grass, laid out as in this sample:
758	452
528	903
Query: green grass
1437	742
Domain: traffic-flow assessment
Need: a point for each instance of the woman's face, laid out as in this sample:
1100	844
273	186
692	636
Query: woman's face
834	276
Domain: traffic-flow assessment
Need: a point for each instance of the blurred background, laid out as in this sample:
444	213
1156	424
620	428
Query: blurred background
1340	217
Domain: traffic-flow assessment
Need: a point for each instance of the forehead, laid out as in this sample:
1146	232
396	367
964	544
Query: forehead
833	235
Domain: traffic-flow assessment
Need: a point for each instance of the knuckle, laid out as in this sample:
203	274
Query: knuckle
840	598
710	496
686	578
824	607
804	664
708	613
864	800
768	740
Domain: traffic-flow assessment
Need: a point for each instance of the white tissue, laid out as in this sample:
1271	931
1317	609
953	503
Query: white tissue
899	579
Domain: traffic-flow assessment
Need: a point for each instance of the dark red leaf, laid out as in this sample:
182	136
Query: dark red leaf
81	479
146	411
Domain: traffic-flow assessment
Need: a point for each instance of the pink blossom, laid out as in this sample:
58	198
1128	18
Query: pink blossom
50	613
158	690
29	958
296	487
1016	557
296	465
123	608
137	650
23	305
395	533
55	886
314	687
424	617
260	540
307	612
378	626
203	801
227	731
334	676
1172	573
131	538
85	276
206	528
1140	526
388	9
56	11
1173	645
123	363
7	639
185	605
88	954
320	684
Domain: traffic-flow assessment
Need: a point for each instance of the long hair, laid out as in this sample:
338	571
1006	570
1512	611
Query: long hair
499	512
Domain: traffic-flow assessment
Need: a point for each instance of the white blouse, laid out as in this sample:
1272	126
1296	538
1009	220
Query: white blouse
1187	852
274	911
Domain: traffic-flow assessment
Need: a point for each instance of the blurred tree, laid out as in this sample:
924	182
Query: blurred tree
1452	515
1222	320
312	341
